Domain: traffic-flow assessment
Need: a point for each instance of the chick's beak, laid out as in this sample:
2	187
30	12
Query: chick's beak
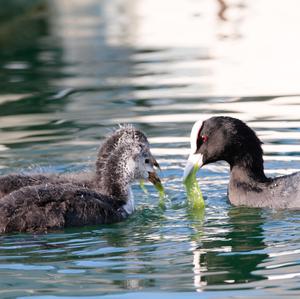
194	160
154	162
152	175
153	178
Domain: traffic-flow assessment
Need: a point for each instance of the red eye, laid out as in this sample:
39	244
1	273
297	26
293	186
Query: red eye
204	138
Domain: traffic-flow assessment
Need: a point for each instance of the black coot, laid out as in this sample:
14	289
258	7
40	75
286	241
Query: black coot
231	140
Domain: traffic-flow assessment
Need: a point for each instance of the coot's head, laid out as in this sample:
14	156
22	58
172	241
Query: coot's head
223	138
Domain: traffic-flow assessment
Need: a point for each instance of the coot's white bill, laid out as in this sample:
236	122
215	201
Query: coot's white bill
194	160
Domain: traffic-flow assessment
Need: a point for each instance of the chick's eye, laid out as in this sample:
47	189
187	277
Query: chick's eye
147	161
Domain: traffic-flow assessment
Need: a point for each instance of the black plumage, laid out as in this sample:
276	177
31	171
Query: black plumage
231	140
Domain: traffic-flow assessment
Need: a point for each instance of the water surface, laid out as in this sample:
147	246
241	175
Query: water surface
76	69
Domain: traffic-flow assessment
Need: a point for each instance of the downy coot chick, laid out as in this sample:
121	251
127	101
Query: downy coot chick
128	133
50	205
231	140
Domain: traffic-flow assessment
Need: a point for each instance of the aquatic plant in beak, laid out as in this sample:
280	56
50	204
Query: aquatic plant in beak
195	161
194	194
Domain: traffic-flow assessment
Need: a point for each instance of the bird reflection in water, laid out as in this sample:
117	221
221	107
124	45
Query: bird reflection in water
218	258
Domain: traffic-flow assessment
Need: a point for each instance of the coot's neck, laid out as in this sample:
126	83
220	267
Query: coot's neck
247	179
248	182
248	168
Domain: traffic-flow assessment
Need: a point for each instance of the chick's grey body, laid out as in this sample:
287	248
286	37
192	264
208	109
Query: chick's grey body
231	140
39	203
46	207
12	182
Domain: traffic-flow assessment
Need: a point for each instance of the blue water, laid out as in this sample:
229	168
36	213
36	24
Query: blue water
72	70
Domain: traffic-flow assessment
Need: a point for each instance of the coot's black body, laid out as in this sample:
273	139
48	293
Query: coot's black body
231	140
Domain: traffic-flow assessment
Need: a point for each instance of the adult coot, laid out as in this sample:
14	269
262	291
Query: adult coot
231	140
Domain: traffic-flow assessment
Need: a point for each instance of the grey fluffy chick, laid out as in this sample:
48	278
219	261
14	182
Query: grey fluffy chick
93	179
53	205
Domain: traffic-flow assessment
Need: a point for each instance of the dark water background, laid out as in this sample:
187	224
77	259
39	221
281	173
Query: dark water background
72	70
